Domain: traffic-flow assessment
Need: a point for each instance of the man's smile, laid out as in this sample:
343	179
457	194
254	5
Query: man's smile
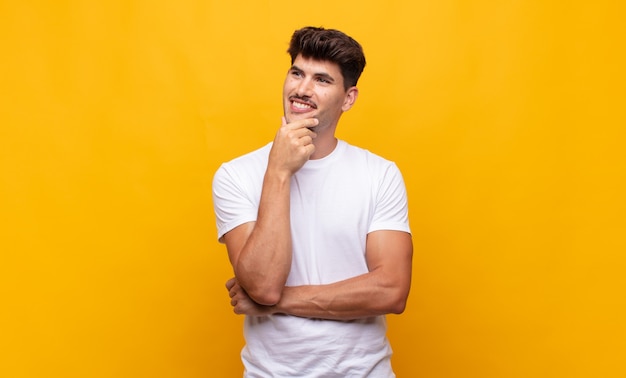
301	105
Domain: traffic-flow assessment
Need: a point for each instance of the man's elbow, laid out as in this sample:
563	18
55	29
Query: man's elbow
266	296
261	288
398	306
397	302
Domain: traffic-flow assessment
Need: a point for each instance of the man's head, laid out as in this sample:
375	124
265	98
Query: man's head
329	45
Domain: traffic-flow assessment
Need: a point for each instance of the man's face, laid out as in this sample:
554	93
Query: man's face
314	89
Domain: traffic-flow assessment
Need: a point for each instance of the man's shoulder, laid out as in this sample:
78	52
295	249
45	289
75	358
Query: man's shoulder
363	153
246	167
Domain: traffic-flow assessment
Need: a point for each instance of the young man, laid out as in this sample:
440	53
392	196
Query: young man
316	229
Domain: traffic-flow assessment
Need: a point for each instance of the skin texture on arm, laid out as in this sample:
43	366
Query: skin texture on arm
260	252
383	290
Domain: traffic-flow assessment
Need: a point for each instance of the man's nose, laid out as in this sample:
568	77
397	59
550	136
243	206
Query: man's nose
305	88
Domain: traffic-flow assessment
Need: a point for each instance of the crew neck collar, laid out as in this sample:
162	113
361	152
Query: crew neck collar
332	156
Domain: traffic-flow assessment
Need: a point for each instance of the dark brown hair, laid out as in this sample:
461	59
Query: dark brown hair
331	45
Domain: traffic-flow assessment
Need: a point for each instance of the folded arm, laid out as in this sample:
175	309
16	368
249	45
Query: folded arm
383	290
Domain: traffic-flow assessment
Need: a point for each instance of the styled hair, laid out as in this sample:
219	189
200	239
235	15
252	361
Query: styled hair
330	45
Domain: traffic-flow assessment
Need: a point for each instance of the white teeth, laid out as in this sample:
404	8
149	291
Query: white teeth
300	105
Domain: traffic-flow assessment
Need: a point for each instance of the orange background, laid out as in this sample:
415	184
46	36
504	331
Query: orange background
506	118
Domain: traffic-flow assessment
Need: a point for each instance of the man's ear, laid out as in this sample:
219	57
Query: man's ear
351	94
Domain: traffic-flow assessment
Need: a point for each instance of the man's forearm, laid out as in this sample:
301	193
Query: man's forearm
264	262
367	295
383	290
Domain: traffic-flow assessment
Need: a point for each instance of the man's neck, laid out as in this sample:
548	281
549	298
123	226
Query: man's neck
324	145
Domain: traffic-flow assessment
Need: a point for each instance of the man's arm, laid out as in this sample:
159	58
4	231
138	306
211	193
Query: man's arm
383	290
260	252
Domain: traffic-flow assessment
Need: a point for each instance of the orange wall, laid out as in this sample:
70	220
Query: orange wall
506	118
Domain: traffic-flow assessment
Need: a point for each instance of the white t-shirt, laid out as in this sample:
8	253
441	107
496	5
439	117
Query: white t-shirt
335	202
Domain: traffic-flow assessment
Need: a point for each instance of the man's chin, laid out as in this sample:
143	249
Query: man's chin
291	117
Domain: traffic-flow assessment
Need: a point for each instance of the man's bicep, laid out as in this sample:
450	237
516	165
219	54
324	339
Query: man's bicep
391	252
236	239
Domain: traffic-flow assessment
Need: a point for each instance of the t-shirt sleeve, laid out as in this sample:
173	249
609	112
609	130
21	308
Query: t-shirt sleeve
232	203
391	211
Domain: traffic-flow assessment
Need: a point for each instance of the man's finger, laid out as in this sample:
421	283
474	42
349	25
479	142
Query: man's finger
230	283
303	123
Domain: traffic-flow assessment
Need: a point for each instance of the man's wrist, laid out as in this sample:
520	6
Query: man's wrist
281	307
280	175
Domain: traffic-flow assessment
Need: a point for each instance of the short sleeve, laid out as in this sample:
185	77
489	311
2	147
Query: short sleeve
391	210
232	203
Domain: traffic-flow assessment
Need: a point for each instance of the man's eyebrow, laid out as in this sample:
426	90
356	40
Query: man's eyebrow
295	68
